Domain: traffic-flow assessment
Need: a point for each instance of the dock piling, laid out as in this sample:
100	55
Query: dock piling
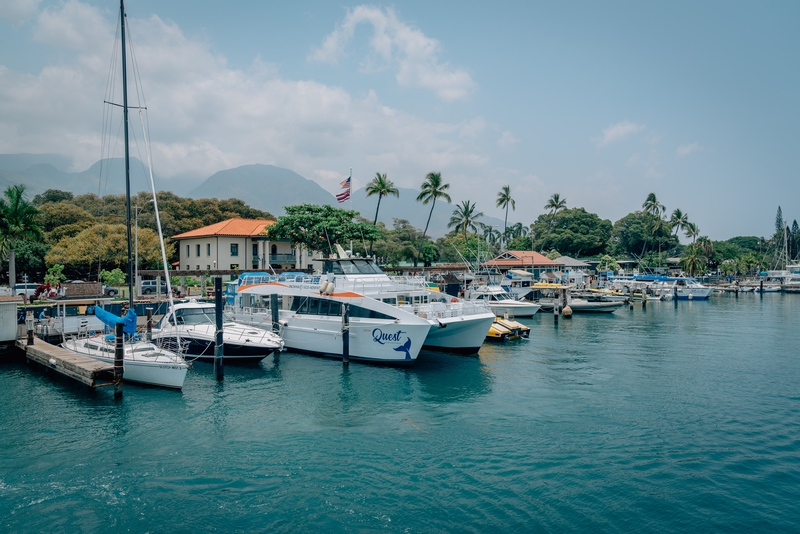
219	356
29	326
346	335
149	335
119	355
273	306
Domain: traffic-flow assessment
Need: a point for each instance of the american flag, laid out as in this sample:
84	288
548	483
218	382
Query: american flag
344	196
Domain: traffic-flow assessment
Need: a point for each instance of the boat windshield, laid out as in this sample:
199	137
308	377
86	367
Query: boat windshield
199	316
502	296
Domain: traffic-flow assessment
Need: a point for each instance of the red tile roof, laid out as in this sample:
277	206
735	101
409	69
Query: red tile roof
522	258
231	227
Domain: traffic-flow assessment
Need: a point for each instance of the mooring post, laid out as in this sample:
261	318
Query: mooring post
644	300
119	356
219	356
555	312
149	335
761	287
346	334
273	306
29	326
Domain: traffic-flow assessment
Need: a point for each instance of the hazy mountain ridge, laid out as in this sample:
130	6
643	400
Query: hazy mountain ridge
264	187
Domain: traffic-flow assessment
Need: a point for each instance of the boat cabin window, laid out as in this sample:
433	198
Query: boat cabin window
199	316
391	300
318	306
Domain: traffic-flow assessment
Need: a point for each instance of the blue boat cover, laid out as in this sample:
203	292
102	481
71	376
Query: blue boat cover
109	319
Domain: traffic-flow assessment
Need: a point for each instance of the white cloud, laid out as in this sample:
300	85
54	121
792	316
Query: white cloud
414	55
17	12
205	116
617	132
685	150
472	128
507	140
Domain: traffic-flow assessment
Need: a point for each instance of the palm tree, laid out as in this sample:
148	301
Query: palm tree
381	186
656	209
431	190
705	245
17	221
504	200
554	204
465	217
678	221
694	261
691	231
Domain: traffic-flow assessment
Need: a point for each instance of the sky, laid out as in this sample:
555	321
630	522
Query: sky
600	102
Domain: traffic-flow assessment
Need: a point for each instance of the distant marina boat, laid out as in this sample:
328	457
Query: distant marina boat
501	302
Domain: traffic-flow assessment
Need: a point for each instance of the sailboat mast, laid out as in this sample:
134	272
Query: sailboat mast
127	153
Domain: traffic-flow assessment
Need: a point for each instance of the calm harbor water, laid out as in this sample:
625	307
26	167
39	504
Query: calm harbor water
683	417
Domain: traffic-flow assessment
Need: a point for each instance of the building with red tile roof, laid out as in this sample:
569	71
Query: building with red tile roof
526	260
237	244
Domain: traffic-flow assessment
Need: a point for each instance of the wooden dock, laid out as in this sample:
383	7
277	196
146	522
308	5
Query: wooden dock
86	370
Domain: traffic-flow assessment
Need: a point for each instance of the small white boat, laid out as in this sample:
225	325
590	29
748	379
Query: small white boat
143	362
194	323
502	303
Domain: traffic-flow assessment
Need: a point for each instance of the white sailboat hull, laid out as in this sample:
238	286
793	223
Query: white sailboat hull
152	368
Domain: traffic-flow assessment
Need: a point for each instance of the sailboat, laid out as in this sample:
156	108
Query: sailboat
144	361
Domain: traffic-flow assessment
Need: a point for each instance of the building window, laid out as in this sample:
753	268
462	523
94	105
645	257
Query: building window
255	250
234	249
208	249
187	267
234	266
198	267
273	249
188	250
208	267
197	250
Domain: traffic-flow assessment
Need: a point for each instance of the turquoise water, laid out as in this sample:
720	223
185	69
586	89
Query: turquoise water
682	417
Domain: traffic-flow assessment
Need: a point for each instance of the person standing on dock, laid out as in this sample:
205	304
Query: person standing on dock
44	321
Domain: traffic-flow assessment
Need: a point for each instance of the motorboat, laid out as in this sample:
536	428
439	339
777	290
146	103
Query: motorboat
143	361
312	322
194	324
456	325
501	302
683	288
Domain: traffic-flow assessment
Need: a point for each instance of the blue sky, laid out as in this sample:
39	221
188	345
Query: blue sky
602	103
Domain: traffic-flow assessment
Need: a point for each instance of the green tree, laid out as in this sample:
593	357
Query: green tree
114	277
18	221
573	231
779	225
555	204
432	189
607	263
319	228
52	196
633	232
692	231
55	275
465	217
678	221
504	200
381	186
693	260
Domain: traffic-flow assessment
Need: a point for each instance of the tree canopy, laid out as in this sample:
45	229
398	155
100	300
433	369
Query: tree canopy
319	228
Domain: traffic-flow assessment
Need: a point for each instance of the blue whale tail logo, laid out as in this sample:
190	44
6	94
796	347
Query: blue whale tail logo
405	347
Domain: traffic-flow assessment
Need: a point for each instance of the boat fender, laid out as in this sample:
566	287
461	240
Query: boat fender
567	311
441	324
453	299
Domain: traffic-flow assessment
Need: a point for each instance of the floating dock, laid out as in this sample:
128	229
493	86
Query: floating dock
86	370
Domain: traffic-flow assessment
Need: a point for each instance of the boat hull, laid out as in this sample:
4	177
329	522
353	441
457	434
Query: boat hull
517	309
373	342
154	373
203	349
459	335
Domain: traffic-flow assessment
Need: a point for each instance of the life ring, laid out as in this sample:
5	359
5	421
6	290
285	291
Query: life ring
453	299
612	288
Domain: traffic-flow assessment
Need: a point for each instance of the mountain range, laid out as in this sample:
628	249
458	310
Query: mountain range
264	187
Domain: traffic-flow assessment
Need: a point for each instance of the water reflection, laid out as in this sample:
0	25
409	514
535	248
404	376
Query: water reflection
445	378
